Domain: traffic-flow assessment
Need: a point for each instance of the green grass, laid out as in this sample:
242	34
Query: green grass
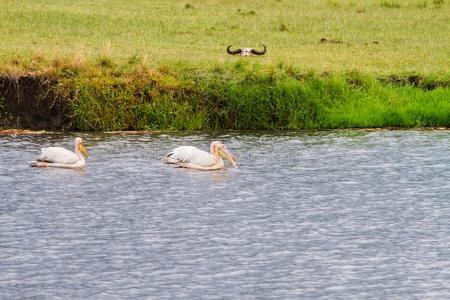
411	36
238	95
245	96
390	3
162	65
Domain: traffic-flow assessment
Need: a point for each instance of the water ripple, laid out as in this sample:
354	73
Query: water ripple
329	215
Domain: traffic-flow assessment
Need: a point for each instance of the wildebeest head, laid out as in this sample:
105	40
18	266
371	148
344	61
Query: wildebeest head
246	51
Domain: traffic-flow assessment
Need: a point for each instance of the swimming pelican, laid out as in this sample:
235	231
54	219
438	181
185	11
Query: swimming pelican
62	158
193	158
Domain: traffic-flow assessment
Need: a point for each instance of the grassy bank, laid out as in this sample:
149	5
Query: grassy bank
379	37
245	96
239	95
121	65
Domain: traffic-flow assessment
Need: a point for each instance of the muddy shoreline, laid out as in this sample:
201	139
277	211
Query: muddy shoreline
29	102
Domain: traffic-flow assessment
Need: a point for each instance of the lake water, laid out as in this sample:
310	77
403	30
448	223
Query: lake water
336	214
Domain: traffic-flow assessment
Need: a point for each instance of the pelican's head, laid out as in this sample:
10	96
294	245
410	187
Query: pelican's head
224	152
79	145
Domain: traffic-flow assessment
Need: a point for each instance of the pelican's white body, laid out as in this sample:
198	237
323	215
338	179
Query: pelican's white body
192	155
60	157
58	154
193	158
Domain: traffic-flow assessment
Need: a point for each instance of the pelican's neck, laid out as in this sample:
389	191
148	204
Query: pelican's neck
214	152
77	150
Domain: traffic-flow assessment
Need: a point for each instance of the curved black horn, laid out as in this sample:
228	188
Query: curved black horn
256	52
233	52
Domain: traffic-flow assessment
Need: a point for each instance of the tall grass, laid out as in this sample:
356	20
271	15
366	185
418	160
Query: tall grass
247	96
390	4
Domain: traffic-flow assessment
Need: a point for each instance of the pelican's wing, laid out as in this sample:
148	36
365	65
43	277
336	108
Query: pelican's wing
192	155
58	155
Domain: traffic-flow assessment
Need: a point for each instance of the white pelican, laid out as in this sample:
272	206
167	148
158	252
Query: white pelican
193	158
62	158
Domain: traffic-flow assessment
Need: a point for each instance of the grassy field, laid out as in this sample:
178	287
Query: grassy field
160	65
379	37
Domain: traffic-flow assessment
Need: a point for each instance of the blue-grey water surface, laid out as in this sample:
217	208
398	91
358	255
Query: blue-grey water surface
324	215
